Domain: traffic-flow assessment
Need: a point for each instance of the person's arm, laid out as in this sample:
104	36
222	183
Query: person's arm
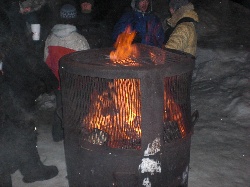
46	51
155	32
85	44
179	38
121	25
80	43
158	34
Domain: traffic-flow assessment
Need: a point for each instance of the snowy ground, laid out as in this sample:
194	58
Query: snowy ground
220	150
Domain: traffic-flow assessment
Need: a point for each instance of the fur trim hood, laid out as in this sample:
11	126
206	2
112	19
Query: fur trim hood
63	30
33	4
184	11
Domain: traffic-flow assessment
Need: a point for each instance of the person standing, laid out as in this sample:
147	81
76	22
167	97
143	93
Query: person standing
62	40
91	27
141	19
182	33
64	34
22	80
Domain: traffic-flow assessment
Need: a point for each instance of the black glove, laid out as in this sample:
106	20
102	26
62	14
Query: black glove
137	38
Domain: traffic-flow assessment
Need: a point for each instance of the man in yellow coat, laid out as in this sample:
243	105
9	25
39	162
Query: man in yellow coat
183	37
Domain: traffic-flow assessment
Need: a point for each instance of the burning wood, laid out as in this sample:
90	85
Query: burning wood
116	111
173	115
97	137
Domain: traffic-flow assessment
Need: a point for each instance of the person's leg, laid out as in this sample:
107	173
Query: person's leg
31	167
5	180
36	171
19	151
57	129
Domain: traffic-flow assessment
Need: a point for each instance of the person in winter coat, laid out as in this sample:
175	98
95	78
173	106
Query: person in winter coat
183	35
86	24
93	28
64	35
38	12
31	5
64	39
142	20
24	78
28	10
31	14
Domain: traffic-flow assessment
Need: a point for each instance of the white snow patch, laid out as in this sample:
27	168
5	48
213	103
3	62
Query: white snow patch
185	175
239	107
149	165
146	182
153	148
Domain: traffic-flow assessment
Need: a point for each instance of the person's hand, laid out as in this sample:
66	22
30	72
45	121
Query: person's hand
137	38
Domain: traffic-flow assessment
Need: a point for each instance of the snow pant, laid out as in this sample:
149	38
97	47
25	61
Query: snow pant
57	128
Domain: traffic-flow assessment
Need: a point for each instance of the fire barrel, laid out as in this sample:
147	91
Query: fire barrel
127	123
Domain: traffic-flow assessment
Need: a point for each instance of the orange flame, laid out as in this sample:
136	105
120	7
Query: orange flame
123	46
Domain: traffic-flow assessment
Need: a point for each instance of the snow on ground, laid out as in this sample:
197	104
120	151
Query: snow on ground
220	149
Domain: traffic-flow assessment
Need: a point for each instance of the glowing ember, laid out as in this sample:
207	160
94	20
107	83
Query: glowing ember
173	112
175	115
123	46
117	112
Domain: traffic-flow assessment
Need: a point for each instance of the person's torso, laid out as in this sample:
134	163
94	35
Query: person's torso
148	27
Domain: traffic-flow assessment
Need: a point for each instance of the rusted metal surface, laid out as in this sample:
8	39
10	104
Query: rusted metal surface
103	146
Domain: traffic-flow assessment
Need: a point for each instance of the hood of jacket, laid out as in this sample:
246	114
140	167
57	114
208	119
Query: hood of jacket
184	11
134	5
63	30
33	4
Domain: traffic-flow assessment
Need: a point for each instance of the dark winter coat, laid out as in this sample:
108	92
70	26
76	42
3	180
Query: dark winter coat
95	31
147	25
23	66
25	77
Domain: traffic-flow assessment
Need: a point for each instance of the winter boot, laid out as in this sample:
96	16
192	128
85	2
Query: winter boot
5	180
31	167
37	172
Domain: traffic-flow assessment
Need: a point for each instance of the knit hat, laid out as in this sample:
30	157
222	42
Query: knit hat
68	11
176	4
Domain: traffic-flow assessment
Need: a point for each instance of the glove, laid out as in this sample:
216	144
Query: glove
137	38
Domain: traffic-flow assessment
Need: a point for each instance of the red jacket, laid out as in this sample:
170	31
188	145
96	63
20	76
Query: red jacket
54	55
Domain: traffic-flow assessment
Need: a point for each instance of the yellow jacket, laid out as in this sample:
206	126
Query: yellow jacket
184	36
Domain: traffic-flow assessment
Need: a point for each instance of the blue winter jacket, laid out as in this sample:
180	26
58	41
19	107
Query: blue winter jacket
148	26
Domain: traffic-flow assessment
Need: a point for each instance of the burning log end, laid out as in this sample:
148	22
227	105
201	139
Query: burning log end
97	137
171	131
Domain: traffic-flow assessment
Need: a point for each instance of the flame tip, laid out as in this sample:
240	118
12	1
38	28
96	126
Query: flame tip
123	45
